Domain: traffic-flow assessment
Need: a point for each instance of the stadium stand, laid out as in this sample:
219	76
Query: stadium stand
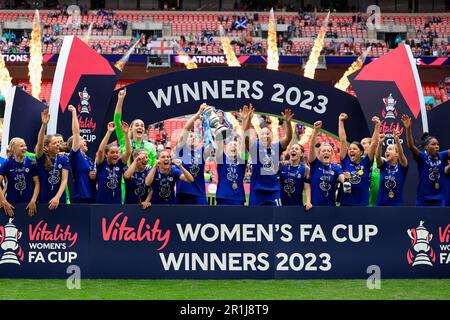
347	34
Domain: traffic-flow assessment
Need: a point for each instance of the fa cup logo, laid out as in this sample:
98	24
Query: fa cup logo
9	237
84	106
420	242
389	112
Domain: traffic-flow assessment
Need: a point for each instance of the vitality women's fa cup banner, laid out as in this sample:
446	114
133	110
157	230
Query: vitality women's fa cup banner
195	242
86	80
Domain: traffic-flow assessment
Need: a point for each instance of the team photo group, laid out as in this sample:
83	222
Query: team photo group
131	170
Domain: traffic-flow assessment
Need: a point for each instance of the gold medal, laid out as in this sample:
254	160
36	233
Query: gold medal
234	186
436	185
391	194
360	172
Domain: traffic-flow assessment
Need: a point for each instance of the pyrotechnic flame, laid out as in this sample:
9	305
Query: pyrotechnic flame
274	123
232	61
355	66
5	79
187	60
36	58
87	35
272	49
313	60
123	61
184	57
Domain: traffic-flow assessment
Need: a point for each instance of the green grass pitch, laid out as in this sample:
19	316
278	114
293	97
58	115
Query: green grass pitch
12	289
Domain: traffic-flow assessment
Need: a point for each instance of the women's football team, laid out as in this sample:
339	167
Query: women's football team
131	171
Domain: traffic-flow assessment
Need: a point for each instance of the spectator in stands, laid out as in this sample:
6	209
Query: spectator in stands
24	49
114	47
398	40
12	37
163	136
54	14
4	46
143	39
123	24
197	39
6	36
25	36
280	41
97	47
107	23
158	136
425	46
332	47
182	41
56	29
281	20
209	39
436	51
98	27
101	12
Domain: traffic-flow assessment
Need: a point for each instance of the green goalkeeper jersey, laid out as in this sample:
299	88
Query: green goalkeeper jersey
147	146
374	185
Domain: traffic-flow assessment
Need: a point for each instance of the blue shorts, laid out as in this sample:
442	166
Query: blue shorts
265	198
184	198
221	202
430	203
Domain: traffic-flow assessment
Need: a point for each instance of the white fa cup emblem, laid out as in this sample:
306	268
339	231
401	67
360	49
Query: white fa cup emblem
9	242
420	241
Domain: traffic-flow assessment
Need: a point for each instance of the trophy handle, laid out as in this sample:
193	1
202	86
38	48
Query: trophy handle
410	234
